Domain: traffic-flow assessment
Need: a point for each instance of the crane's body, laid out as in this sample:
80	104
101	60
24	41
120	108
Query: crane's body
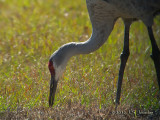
103	15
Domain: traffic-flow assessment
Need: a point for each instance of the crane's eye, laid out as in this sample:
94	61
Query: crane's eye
51	68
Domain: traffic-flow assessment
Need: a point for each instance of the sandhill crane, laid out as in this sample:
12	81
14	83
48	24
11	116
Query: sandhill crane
103	15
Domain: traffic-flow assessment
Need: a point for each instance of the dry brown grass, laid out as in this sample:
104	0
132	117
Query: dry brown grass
74	112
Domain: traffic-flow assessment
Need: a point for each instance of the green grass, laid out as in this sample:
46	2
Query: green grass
31	30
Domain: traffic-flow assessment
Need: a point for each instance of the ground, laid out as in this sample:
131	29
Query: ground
32	30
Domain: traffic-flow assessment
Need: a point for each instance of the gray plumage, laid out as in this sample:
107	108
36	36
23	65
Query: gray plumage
103	15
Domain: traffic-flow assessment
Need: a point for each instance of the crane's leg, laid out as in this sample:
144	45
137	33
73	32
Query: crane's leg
124	57
155	54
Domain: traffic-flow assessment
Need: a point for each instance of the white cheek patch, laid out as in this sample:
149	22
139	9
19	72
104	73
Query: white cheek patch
58	72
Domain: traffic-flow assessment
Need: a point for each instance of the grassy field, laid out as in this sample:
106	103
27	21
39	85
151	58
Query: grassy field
31	30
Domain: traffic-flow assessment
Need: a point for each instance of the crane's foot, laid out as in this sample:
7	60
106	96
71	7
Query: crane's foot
116	106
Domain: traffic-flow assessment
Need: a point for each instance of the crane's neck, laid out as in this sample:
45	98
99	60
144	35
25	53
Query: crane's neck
95	41
65	52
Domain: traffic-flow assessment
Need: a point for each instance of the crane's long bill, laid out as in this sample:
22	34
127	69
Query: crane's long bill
53	86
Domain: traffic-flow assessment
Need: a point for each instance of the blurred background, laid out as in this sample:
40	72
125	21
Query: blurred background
31	30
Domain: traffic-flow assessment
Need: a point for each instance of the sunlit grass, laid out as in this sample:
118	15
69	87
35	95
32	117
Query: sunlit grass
32	30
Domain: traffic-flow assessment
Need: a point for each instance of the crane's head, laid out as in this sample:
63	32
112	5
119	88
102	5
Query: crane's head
56	65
